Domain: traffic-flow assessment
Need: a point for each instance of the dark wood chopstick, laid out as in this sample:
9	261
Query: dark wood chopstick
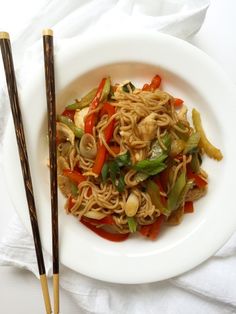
51	107
20	136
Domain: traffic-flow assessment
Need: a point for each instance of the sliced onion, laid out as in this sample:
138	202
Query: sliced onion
87	146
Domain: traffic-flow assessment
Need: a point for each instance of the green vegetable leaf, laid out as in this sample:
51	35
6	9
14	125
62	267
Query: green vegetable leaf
105	170
154	193
126	88
140	176
123	160
157	150
174	195
67	121
112	170
106	89
121	184
167	142
132	224
74	189
84	102
153	166
195	163
188	186
192	143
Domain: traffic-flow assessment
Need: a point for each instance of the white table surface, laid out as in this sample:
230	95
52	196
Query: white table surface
19	290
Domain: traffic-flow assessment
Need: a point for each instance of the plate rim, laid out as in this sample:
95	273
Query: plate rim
213	65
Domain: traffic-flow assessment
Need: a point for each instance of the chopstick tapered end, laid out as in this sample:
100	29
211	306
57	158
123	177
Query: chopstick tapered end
4	35
56	293
44	285
47	32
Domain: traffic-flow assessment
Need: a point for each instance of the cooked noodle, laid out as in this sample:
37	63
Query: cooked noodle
141	119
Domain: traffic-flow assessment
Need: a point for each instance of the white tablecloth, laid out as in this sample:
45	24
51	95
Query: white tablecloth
218	40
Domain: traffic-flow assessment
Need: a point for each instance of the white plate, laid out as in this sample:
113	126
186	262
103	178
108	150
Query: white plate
187	73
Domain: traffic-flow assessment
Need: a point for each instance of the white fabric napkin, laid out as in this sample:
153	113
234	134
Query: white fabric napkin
210	287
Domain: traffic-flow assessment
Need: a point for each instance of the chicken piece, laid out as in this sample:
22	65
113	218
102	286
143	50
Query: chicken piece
64	185
139	154
195	193
62	164
65	133
79	117
148	127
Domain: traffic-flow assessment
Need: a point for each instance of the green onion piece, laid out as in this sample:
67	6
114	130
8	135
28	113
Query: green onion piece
123	160
167	142
157	150
84	102
132	224
73	106
106	90
192	143
74	189
153	191
111	95
105	170
112	170
195	163
174	194
153	166
188	186
140	177
199	158
121	184
67	121
127	87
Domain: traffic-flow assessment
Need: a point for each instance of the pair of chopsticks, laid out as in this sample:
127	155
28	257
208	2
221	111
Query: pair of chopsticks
20	136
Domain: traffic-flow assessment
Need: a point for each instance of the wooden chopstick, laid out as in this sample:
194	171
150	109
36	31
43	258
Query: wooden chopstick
20	136
51	106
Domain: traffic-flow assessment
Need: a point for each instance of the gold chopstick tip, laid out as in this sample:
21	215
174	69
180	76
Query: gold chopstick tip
4	35
47	32
44	285
56	293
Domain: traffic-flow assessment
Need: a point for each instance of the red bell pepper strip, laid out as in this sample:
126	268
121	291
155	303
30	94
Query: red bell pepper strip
108	220
199	181
188	207
115	237
115	149
100	159
108	133
155	83
146	87
152	231
91	118
70	203
178	102
69	113
74	176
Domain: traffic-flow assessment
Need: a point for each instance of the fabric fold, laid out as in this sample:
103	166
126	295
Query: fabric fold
210	287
